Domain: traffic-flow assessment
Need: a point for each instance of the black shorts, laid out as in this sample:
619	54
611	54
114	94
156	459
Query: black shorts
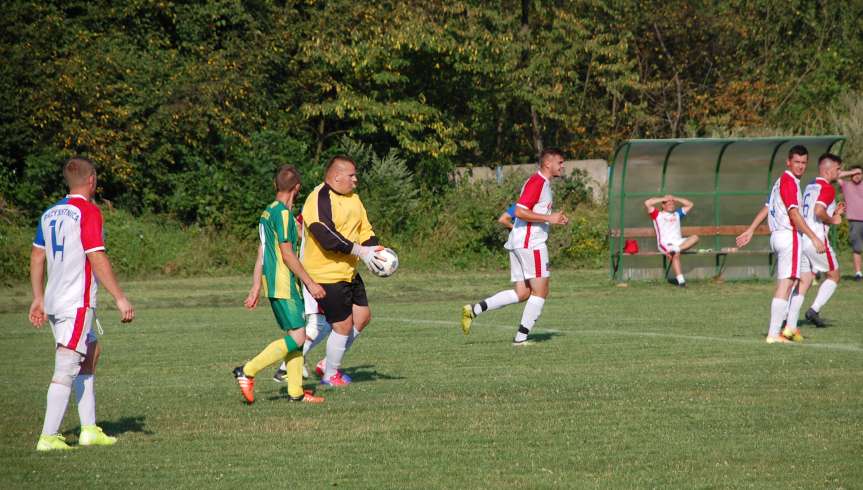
341	297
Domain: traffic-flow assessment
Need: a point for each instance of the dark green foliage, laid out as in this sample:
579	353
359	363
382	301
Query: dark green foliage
187	108
141	247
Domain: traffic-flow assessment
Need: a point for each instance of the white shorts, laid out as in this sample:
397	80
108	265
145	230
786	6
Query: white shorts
787	246
528	263
816	262
672	245
310	304
74	332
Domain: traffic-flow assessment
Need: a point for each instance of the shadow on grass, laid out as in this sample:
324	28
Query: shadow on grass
542	337
534	338
119	426
358	374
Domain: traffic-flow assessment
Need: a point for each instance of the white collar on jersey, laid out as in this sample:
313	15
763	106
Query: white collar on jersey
792	175
69	196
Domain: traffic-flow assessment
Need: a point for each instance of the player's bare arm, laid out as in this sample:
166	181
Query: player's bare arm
652	202
297	268
686	204
556	218
800	224
37	278
821	214
837	215
506	220
744	238
252	299
105	274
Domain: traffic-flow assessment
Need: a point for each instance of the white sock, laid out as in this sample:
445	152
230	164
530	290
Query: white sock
85	396
531	313
825	291
499	300
777	313
321	328
351	337
794	310
58	398
336	346
681	279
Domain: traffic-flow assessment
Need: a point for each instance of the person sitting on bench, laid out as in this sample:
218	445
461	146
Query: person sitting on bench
666	222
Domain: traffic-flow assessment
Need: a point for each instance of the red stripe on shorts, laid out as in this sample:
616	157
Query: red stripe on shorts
88	279
795	259
527	234
830	264
537	263
80	314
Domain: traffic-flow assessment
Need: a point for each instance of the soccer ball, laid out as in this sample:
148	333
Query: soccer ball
390	261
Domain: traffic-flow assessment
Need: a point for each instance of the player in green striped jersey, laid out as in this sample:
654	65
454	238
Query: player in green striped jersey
277	270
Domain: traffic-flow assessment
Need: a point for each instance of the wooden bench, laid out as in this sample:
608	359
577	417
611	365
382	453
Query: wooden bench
704	234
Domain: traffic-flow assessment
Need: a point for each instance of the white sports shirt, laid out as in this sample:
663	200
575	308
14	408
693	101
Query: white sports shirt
535	196
667	226
68	231
819	191
784	196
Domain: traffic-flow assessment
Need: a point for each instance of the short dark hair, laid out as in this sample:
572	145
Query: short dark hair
338	158
829	157
76	170
797	150
548	152
287	177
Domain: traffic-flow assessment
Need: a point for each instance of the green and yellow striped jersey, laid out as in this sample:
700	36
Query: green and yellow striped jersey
278	225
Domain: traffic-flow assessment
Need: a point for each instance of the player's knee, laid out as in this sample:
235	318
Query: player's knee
365	321
312	327
67	365
695	239
523	294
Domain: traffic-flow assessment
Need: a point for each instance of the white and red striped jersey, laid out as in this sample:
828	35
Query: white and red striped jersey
68	231
784	196
667	226
819	191
535	196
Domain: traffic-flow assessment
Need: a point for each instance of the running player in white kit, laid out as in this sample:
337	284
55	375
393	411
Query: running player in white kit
786	226
528	253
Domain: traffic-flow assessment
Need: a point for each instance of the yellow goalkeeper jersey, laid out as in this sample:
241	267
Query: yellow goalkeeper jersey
333	222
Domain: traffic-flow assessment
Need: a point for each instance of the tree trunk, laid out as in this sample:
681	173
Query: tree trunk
319	148
537	135
525	56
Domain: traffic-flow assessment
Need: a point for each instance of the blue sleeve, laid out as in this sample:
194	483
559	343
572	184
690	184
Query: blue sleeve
511	211
681	212
39	241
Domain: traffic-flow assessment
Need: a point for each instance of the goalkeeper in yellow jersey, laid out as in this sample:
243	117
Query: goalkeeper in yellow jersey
278	271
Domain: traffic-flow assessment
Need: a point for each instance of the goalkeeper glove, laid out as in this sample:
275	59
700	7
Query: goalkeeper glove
369	257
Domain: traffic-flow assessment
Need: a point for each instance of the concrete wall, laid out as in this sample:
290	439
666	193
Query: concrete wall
597	172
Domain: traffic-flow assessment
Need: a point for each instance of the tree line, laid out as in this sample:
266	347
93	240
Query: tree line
187	107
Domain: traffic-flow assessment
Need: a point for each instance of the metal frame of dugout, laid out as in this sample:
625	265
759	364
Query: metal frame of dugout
727	179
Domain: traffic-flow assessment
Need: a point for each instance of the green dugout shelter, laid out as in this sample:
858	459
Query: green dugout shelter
727	179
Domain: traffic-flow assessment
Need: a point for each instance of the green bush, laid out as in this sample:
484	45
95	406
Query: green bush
459	229
455	228
141	247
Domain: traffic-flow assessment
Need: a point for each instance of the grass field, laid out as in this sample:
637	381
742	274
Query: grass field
644	386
